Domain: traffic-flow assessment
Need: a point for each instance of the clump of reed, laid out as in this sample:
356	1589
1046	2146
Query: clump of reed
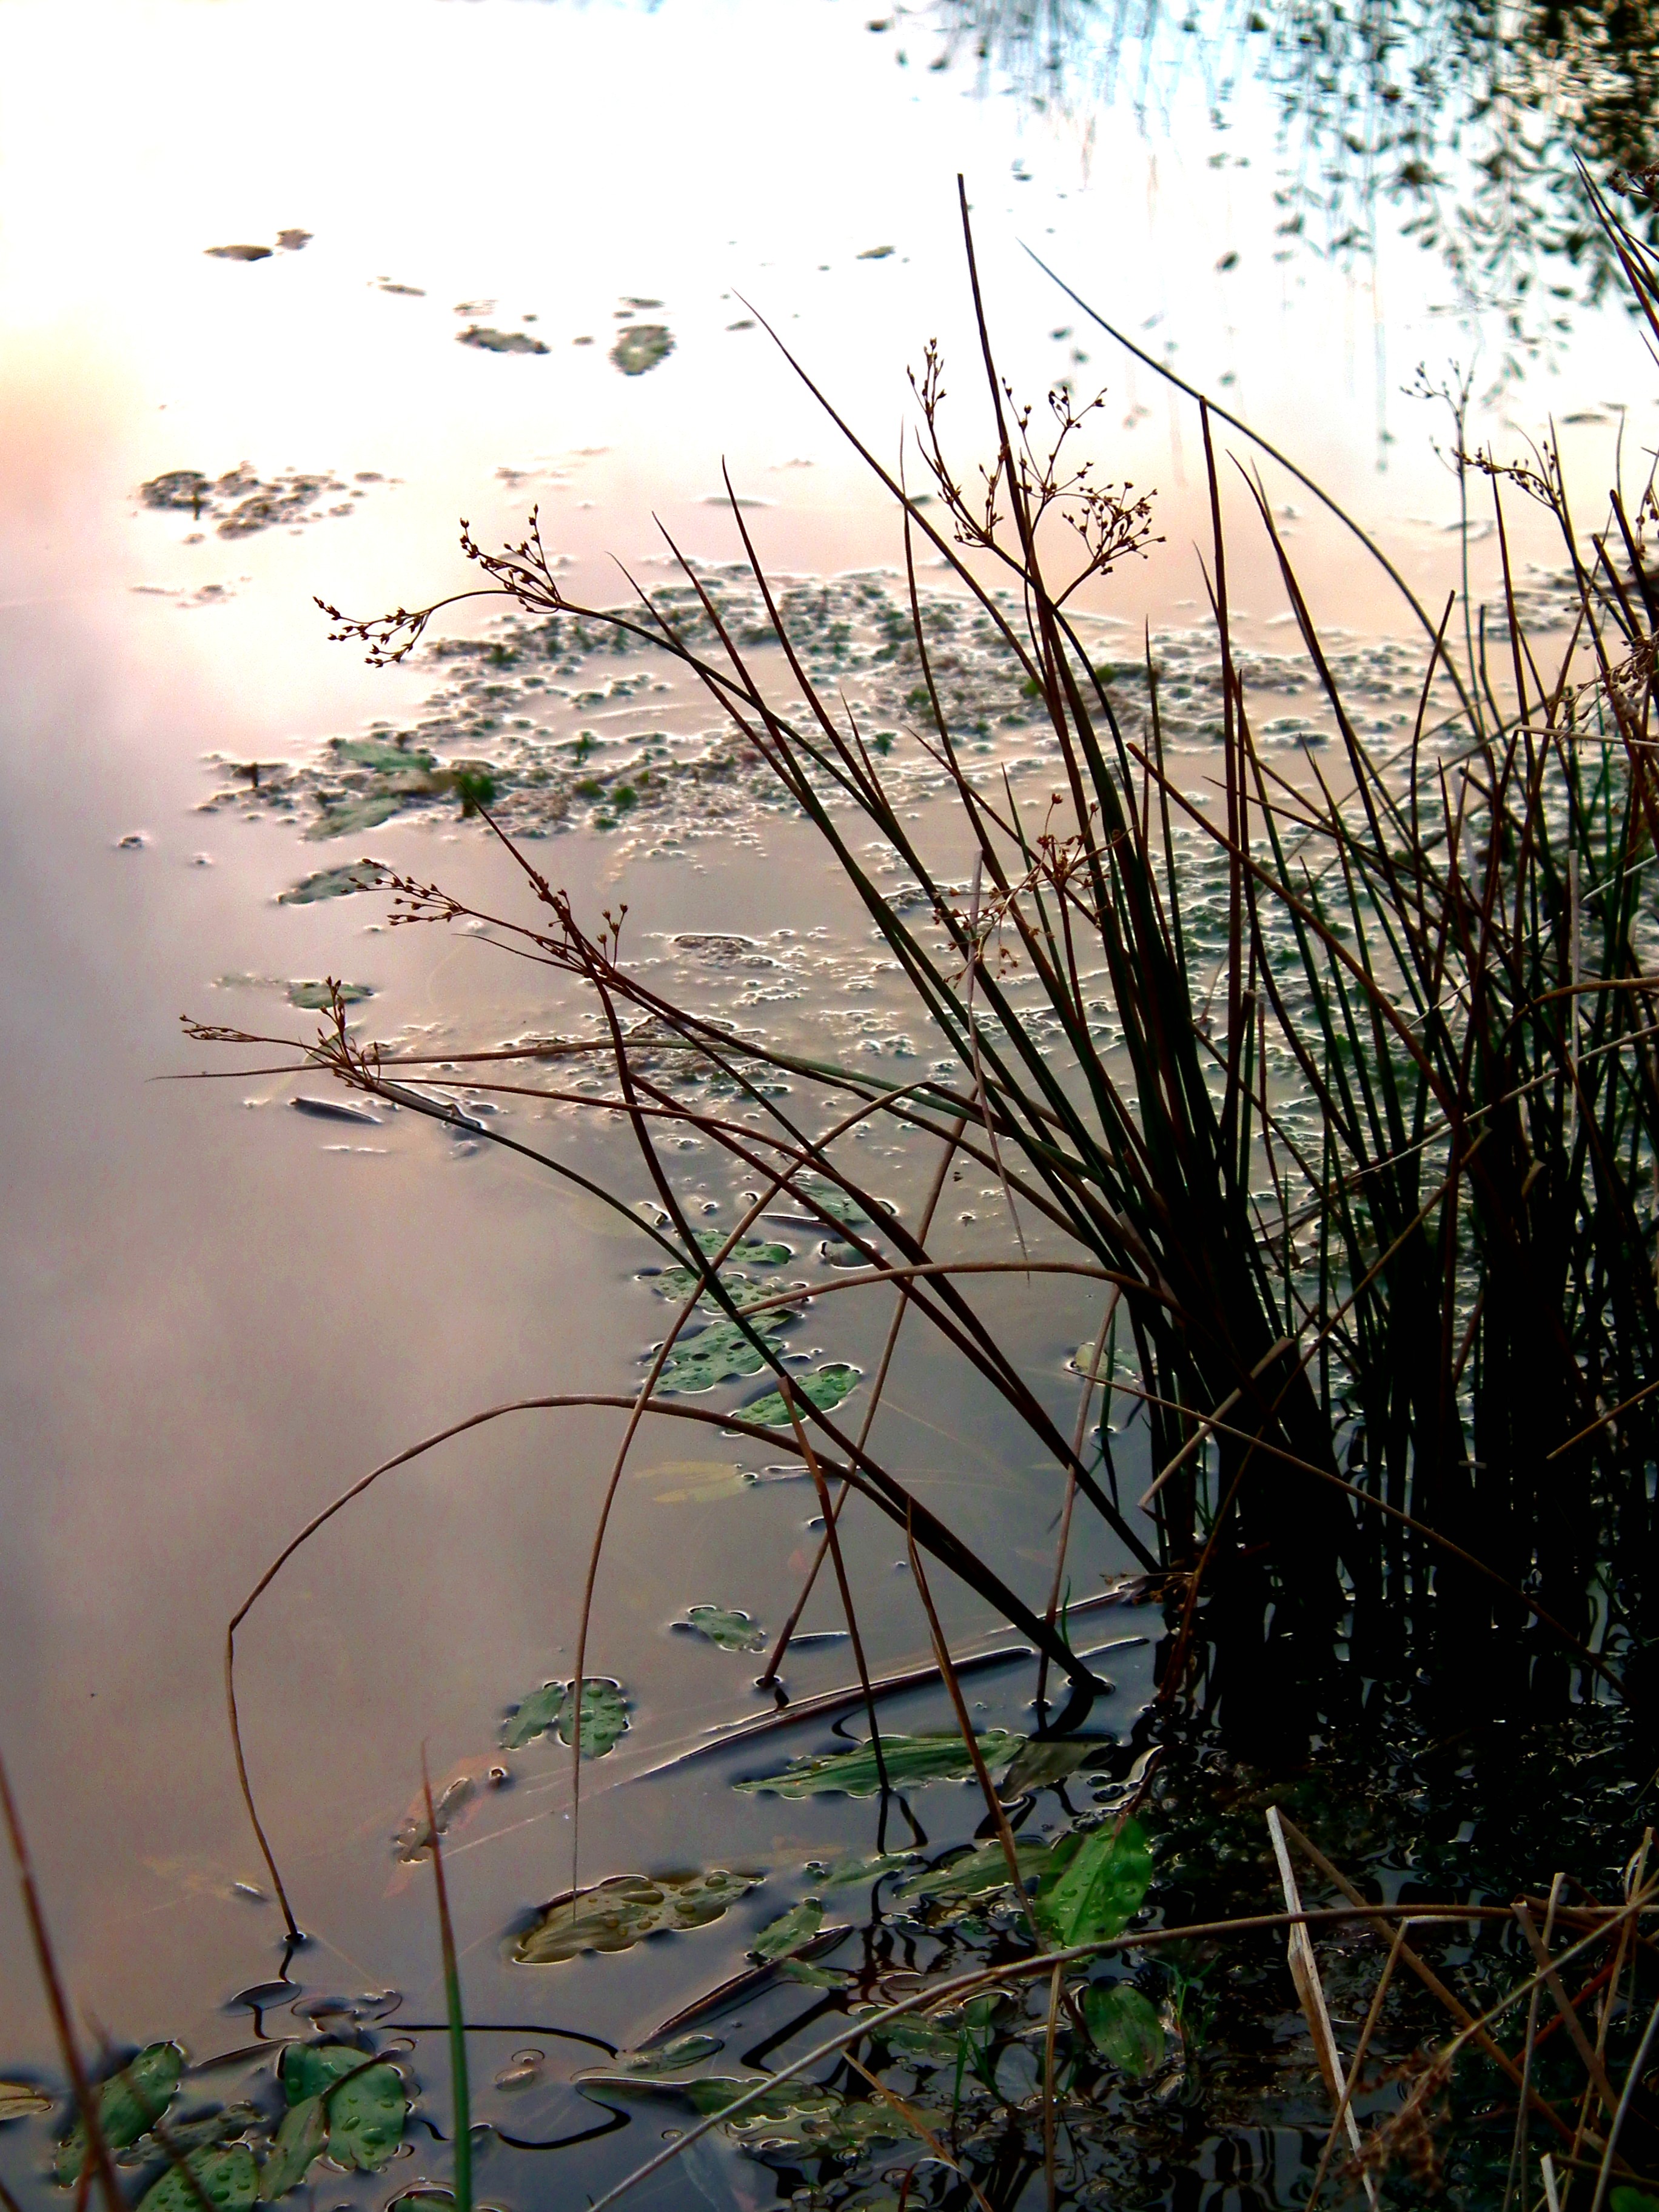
1364	1155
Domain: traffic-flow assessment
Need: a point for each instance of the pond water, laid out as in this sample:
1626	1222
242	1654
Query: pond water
221	1307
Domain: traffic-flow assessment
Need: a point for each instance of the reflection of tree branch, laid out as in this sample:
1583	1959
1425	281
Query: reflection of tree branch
1467	120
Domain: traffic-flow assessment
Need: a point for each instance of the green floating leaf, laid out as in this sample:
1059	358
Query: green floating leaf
828	1198
1098	1890
825	1387
719	1353
1632	2200
844	1872
381	754
335	883
982	1869
814	1978
1050	1760
642	346
129	2104
365	2103
666	2058
747	1252
790	1931
348	817
911	1760
732	1632
365	2117
615	1914
227	2178
915	2041
312	995
804	2117
301	2139
605	1716
1125	2028
22	2100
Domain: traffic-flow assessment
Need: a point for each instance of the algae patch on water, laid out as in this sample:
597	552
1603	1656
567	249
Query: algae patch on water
240	502
493	341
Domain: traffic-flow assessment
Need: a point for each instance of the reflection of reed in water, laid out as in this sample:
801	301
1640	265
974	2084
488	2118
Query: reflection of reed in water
1466	119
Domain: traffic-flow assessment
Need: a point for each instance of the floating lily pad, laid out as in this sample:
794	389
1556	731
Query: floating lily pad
129	2104
225	2176
336	883
825	1387
492	341
732	1632
640	347
238	252
911	1760
874	254
615	1914
790	1931
1125	2028
22	2100
605	1716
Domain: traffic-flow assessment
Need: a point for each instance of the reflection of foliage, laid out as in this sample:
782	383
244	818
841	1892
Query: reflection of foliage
1467	118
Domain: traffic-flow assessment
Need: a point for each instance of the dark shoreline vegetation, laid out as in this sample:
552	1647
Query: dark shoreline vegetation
1343	1096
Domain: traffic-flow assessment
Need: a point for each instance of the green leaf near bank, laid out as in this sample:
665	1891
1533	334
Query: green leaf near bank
129	2104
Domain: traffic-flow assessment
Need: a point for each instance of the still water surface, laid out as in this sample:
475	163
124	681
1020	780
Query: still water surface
218	1309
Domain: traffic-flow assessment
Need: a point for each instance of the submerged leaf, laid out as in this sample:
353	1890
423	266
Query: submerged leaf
615	1914
825	1387
226	2178
697	1481
129	2104
298	2142
789	1932
1125	2028
910	1760
605	1716
1097	1892
732	1632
